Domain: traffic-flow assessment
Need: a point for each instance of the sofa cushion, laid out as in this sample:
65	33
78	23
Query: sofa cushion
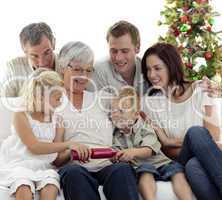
7	107
164	191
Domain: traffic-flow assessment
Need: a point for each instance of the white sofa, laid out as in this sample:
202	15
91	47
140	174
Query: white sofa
7	105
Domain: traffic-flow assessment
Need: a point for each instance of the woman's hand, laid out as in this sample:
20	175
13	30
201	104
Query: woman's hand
82	150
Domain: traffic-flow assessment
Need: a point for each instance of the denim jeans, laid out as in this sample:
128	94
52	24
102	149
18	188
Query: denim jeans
202	159
118	180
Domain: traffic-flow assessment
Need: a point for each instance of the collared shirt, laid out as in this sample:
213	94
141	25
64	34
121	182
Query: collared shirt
106	76
16	72
142	136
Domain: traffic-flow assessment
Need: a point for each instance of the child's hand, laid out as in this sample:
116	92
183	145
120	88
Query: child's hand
115	158
83	151
125	155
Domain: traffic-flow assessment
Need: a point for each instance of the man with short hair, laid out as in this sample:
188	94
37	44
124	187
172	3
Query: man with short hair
123	67
38	43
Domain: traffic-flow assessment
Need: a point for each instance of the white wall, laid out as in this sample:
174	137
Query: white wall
85	20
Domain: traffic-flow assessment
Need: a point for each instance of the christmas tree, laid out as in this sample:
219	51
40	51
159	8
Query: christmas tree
190	29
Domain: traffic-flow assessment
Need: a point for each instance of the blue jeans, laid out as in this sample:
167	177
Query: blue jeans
163	173
118	180
202	159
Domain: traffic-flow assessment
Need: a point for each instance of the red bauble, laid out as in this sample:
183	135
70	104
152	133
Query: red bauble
184	19
191	50
208	55
201	1
189	65
209	28
176	32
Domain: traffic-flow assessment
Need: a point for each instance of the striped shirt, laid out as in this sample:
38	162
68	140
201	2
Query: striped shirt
16	72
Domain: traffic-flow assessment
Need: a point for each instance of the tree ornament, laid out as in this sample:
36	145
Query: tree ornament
184	28
189	65
191	50
209	28
201	1
190	29
176	32
208	55
184	19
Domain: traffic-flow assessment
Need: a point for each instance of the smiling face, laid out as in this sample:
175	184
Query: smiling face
40	55
122	53
157	72
77	75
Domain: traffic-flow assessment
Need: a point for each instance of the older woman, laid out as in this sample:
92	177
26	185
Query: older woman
87	123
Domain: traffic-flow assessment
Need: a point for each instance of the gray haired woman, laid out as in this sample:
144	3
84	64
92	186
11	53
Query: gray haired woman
88	125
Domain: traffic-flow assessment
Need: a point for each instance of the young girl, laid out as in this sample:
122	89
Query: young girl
26	155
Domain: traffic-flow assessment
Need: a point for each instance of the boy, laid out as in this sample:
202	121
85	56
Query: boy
138	144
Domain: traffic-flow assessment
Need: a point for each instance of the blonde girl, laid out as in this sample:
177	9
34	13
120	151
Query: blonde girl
26	156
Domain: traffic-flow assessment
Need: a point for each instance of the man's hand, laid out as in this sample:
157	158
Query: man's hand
209	86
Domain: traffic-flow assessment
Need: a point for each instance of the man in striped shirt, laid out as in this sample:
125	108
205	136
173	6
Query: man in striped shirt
38	43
